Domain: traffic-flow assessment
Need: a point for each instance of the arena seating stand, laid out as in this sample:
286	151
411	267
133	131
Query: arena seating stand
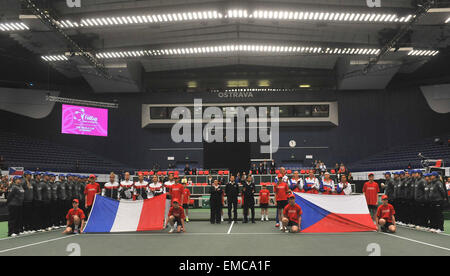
21	151
400	157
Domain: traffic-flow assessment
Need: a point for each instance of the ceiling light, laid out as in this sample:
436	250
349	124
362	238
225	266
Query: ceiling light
192	84
13	26
244	48
55	58
423	53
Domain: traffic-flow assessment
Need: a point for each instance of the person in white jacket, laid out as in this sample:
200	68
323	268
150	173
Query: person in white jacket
126	187
111	188
343	187
140	188
156	188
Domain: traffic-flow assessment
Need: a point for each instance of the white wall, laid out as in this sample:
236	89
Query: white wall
27	102
438	97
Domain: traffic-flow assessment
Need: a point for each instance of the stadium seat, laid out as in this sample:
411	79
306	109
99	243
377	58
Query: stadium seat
32	153
401	156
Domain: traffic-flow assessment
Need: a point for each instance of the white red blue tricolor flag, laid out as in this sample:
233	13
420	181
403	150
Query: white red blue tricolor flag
109	215
334	213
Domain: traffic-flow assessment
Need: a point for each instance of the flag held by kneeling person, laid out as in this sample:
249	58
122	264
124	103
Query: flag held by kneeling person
334	214
109	215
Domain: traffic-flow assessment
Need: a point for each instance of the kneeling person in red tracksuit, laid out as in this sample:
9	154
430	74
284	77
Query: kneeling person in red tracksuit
75	219
385	218
176	215
292	216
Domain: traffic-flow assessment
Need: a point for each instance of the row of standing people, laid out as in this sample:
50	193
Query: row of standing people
176	193
144	188
39	201
418	198
284	187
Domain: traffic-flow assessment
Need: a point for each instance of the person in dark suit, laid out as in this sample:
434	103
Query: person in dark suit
261	168
232	192
248	191
210	180
187	170
215	202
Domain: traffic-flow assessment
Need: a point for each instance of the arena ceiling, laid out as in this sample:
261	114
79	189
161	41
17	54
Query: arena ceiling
136	46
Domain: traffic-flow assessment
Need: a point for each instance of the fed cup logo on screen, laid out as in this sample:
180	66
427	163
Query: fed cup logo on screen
80	120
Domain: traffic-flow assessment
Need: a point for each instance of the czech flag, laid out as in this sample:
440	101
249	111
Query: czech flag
16	170
109	215
334	214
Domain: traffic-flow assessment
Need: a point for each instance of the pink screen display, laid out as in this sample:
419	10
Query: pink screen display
82	120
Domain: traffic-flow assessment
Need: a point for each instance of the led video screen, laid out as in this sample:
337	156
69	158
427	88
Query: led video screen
81	120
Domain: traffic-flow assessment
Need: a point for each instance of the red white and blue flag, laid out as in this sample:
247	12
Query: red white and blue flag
16	170
334	214
109	215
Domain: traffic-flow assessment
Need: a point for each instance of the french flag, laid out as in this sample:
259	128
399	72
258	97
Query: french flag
109	215
334	214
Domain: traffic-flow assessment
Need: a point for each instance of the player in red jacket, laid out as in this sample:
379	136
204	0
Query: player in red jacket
371	190
92	189
385	218
281	195
292	216
176	191
264	196
186	199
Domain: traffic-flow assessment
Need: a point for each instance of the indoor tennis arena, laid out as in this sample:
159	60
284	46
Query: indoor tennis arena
234	130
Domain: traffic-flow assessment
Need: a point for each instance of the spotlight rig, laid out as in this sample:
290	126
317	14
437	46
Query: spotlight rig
81	102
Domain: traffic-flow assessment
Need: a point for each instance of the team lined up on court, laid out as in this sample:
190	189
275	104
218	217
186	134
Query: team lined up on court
40	202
